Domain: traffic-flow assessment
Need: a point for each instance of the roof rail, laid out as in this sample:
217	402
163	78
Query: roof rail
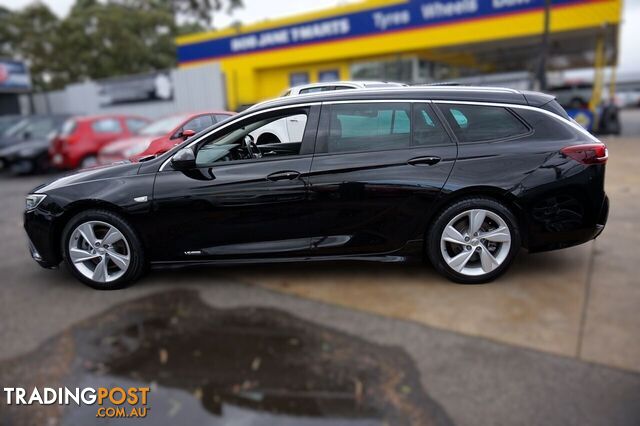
443	83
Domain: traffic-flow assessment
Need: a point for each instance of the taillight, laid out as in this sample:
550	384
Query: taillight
64	141
70	140
593	153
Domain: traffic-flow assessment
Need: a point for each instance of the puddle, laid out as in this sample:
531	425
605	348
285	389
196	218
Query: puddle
211	366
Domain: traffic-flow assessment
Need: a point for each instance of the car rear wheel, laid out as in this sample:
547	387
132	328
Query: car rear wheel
474	240
89	161
102	250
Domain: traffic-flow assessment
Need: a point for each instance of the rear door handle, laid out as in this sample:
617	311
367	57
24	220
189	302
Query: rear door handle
284	175
424	161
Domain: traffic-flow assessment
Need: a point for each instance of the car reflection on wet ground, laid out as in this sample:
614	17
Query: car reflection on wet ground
233	366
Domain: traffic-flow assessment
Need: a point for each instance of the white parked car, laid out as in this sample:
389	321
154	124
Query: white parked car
291	129
338	85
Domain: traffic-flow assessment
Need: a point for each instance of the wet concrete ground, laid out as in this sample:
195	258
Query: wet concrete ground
211	366
555	341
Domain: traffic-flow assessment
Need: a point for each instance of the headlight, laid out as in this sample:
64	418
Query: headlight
33	200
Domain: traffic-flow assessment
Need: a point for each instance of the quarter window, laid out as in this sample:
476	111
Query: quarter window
369	127
477	123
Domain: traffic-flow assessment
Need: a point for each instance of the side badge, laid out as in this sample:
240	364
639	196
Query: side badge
143	199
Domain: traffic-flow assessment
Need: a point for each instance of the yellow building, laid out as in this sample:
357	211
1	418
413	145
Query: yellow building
405	40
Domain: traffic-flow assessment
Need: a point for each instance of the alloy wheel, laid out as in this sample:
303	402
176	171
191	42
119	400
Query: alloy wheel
99	251
475	242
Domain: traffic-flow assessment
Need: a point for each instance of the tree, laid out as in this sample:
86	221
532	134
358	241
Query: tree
101	39
200	12
27	35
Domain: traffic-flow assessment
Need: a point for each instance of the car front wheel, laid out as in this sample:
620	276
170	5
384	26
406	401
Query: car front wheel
102	250
474	240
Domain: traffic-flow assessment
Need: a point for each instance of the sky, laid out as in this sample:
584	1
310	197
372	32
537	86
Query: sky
257	10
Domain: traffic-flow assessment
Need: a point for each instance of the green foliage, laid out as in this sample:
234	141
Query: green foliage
27	35
200	12
101	39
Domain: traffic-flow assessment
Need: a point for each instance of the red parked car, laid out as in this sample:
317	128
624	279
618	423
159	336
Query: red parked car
160	136
81	138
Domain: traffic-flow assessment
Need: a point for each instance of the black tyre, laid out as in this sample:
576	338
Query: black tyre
23	167
102	250
473	241
88	162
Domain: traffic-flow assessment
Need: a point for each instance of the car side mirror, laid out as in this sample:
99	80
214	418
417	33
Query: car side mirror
184	159
186	134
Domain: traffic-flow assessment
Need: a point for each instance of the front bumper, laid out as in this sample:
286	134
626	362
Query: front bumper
35	255
41	239
25	163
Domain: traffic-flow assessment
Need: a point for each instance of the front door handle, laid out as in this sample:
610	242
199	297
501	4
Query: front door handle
424	161
284	175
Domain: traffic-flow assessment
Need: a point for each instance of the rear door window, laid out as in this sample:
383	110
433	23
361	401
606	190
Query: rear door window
135	124
369	127
427	129
478	123
107	125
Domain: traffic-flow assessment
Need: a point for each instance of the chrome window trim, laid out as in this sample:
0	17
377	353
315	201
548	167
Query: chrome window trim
573	124
379	101
230	122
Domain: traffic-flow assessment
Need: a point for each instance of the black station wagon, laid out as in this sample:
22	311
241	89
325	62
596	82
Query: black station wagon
461	176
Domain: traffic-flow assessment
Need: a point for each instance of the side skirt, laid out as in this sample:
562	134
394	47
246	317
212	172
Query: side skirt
412	252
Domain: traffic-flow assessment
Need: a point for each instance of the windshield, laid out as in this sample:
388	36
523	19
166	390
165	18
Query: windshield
7	122
163	126
34	127
218	148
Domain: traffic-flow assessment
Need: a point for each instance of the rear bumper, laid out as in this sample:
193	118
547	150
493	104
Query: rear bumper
574	237
604	216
